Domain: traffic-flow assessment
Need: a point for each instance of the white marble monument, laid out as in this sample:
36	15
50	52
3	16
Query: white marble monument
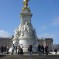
25	34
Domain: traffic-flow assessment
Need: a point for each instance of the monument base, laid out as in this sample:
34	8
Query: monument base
24	44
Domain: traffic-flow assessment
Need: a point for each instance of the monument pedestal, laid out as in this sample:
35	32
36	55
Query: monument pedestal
25	35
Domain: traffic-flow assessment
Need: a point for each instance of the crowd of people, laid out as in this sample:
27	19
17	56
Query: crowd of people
17	50
41	50
4	49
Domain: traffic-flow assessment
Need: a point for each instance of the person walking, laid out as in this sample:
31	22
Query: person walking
42	49
21	51
16	49
7	49
13	49
30	49
55	50
46	50
39	49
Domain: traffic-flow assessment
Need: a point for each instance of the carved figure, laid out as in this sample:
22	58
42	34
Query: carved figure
26	3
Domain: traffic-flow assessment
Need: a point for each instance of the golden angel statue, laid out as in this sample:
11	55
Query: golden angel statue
26	3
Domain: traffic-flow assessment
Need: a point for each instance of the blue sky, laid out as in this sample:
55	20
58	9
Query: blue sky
45	17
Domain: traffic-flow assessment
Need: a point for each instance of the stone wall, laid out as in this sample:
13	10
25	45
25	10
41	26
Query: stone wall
6	42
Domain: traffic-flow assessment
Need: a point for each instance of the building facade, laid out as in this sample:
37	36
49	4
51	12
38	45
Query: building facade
46	41
6	42
42	41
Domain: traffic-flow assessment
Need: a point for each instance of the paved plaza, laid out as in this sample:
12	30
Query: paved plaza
29	57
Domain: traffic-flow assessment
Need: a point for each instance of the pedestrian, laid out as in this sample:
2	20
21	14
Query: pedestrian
16	49
2	49
55	51
42	49
7	50
21	51
13	49
46	50
30	49
39	49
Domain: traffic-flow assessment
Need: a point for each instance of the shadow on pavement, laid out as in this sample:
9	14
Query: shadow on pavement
2	56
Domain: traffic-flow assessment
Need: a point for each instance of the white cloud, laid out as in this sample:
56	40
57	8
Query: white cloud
55	22
43	27
47	35
4	33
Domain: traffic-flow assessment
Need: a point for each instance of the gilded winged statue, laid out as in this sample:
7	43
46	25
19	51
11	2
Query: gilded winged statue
26	3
